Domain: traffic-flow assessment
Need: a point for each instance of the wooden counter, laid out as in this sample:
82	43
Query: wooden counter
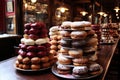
8	72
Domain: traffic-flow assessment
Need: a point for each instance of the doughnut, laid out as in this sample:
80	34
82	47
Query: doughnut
53	47
19	58
35	66
94	68
92	42
77	25
35	60
64	51
75	53
65	34
42	41
78	34
54	28
26	66
65	43
62	69
26	60
78	43
80	61
79	70
45	65
29	42
66	25
45	59
53	42
64	60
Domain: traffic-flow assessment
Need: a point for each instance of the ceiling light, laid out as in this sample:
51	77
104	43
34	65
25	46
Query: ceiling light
84	13
116	9
101	13
62	9
33	1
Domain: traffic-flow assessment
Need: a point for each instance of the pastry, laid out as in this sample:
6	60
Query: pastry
77	25
35	67
66	25
35	60
65	43
62	69
79	71
78	34
78	43
80	61
75	53
26	60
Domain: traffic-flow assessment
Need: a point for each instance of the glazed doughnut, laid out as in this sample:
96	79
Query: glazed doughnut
45	59
53	42
26	60
29	42
75	53
42	41
77	25
87	25
53	47
64	51
46	65
26	66
66	25
35	66
65	43
78	34
65	34
64	60
19	58
80	61
35	60
54	28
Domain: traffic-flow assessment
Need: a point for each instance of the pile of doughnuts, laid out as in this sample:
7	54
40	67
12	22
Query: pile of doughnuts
106	36
77	55
33	53
54	40
97	29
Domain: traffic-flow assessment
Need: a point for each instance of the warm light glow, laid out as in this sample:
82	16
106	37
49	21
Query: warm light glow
101	13
84	13
116	14
116	9
26	5
58	16
105	15
62	9
118	17
33	1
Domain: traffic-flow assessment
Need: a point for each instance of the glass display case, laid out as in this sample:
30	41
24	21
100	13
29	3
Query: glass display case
35	11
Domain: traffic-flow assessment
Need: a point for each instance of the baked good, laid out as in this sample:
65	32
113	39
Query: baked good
54	52
92	42
64	51
54	37
77	25
66	25
80	61
46	65
45	59
64	60
78	34
28	41
62	69
24	66
65	34
53	42
90	32
87	25
35	66
54	29
26	60
75	53
19	58
42	41
94	68
79	71
78	43
53	47
65	43
35	60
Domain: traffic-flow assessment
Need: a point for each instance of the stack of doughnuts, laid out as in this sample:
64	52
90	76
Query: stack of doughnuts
106	37
54	40
78	49
33	53
97	29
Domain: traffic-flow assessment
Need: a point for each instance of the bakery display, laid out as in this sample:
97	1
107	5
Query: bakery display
106	36
34	49
78	51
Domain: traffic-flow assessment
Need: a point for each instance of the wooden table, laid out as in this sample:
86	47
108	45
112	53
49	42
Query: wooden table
8	72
